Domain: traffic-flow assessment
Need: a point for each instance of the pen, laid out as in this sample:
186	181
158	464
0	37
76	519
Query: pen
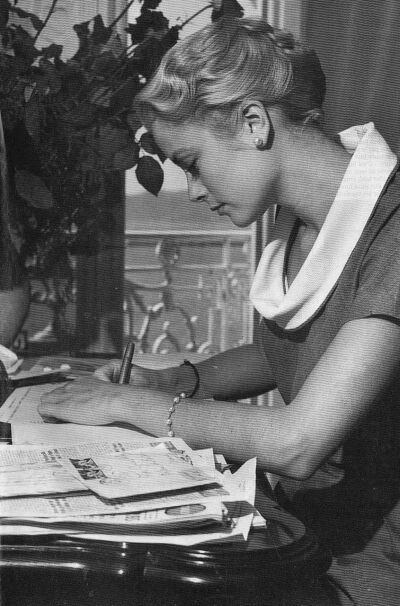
126	365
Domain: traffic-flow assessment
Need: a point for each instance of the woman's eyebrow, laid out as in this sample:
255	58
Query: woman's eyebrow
180	155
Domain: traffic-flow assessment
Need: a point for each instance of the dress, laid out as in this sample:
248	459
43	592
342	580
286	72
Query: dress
353	500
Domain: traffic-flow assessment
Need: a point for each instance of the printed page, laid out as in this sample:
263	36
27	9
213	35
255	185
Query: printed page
133	474
26	454
90	504
38	471
37	479
64	434
22	405
180	518
58	508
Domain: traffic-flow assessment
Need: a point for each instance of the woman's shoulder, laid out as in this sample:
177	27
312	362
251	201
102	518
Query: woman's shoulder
383	228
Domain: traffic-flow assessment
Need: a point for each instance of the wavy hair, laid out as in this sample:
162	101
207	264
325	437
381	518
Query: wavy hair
213	73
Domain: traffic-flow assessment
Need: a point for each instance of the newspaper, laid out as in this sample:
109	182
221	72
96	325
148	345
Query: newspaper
178	519
62	434
237	530
136	473
39	471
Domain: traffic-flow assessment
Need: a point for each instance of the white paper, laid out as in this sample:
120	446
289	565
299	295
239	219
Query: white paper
38	471
193	515
39	478
22	405
237	532
132	473
63	434
27	454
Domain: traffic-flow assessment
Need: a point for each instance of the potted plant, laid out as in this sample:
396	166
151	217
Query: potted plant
67	128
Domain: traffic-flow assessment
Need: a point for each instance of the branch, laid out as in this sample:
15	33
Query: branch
121	14
45	22
205	8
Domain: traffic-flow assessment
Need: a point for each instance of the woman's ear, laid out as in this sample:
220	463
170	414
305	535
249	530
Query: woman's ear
257	126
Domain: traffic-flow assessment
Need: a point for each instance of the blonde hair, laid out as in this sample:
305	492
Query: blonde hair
211	75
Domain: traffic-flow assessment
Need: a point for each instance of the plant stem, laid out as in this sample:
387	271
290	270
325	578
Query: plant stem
205	8
45	22
121	14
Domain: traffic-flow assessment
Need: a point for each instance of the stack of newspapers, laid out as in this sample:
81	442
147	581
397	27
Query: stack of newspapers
111	483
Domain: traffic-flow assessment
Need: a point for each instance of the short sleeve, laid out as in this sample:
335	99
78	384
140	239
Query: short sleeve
378	288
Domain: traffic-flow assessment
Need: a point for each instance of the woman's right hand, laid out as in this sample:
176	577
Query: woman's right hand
140	377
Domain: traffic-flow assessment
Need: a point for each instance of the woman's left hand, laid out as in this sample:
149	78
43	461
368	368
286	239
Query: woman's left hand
86	401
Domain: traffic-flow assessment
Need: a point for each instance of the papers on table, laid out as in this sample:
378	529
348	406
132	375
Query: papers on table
136	473
220	510
110	483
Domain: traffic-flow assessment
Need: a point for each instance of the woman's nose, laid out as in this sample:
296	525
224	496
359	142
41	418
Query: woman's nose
196	190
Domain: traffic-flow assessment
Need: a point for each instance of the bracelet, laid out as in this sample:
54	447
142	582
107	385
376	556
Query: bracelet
196	372
177	400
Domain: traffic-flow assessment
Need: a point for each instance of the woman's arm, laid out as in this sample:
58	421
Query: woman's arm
235	374
354	371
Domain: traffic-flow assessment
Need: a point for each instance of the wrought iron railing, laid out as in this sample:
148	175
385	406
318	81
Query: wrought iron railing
187	290
183	291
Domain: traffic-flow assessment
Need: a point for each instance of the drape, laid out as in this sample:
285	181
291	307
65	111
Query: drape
358	42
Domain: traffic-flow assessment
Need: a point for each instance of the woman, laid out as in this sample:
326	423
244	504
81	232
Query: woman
237	106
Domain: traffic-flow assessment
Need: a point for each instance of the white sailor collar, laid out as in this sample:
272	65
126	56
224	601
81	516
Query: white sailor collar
371	166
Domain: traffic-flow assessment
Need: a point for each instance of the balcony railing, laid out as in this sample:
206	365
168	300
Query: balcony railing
183	291
187	290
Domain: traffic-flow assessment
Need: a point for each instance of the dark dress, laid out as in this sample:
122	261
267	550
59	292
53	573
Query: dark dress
352	501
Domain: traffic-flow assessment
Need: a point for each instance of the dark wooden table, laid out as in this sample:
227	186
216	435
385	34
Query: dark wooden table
64	571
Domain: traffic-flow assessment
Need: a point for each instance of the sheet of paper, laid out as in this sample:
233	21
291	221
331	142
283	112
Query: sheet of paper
22	530
136	473
64	434
37	479
181	518
28	454
238	531
22	405
91	504
38	471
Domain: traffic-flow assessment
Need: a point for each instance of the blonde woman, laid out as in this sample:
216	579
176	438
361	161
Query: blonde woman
237	106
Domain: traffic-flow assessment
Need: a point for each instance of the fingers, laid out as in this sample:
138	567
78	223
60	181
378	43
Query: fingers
109	372
87	401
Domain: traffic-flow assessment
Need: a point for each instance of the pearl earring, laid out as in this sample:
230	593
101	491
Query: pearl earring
259	143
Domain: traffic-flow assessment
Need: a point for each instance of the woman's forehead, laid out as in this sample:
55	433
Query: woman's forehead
171	136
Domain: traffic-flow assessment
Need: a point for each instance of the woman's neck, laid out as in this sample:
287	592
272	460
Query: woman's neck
313	167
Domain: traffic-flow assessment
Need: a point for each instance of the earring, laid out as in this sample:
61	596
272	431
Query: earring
259	143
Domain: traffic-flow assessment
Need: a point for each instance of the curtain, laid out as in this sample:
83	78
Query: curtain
358	42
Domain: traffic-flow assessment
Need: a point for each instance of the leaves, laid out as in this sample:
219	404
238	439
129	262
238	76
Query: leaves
149	23
151	4
33	190
111	139
150	174
36	22
32	118
148	144
68	123
4	13
101	33
124	95
82	116
126	158
53	51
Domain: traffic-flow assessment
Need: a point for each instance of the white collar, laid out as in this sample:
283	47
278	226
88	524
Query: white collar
371	166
